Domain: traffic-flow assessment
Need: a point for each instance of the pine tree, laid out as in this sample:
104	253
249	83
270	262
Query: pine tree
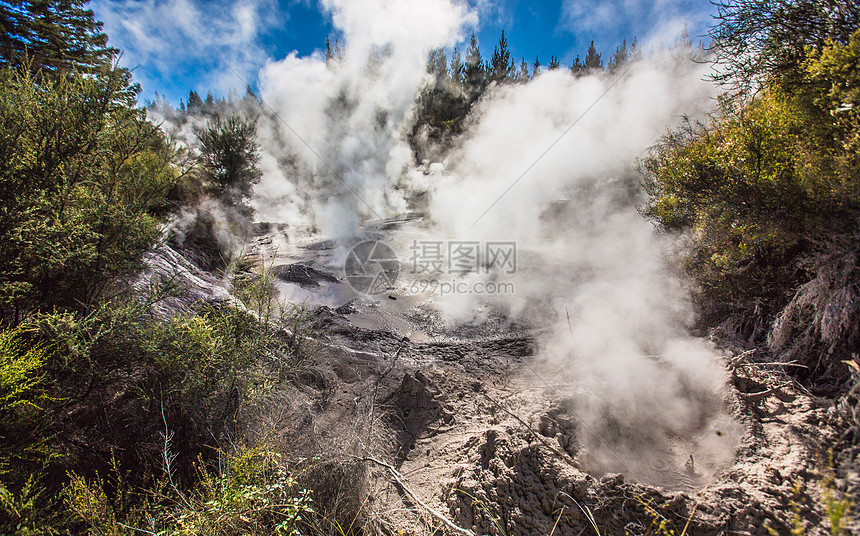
250	96
229	155
194	102
635	52
329	50
209	103
53	35
456	70
501	65
592	59
683	47
619	59
333	52
523	75
474	71
553	63
437	65
536	68
684	39
578	68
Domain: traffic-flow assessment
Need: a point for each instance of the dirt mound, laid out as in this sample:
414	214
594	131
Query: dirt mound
502	456
518	488
302	274
416	405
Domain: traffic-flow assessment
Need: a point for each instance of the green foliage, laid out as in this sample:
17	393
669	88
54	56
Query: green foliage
619	58
176	391
81	175
474	72
770	192
454	87
107	412
20	372
593	62
53	35
28	510
837	511
736	186
252	493
255	495
833	73
89	502
501	68
229	156
204	367
24	401
769	39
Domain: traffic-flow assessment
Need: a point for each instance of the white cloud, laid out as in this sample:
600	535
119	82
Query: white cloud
170	36
653	21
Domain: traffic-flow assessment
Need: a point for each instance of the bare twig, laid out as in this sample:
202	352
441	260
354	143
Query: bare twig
566	457
123	525
168	456
398	478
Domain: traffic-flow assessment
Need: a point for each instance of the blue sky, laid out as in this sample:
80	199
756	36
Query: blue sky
178	45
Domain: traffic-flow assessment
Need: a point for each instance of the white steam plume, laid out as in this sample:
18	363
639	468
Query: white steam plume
638	378
354	111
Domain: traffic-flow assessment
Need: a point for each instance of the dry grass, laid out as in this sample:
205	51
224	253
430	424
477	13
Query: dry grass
821	324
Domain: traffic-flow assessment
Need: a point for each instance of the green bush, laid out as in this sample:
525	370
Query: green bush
251	493
115	391
769	191
254	495
229	155
82	175
24	445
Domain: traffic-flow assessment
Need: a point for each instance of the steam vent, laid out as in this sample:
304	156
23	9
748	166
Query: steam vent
429	268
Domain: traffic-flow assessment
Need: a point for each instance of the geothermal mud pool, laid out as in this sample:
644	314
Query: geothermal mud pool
483	427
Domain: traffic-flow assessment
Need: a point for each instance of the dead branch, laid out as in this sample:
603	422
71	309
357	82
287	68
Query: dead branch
398	478
570	461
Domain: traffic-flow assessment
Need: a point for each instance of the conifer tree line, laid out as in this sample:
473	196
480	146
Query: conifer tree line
471	71
459	81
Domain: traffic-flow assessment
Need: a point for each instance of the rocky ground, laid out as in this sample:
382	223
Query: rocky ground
477	438
456	430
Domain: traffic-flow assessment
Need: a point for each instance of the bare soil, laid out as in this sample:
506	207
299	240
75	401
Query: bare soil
466	419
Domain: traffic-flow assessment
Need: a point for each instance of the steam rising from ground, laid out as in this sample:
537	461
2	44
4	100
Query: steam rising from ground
353	112
590	267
